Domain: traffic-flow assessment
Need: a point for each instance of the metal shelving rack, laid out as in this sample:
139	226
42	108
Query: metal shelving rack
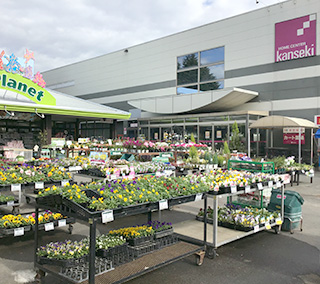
14	188
138	266
220	235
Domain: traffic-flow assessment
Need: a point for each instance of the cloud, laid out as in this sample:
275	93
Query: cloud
61	32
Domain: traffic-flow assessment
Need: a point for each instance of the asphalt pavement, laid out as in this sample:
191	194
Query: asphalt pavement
262	258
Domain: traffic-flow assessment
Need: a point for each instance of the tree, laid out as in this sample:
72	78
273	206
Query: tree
235	141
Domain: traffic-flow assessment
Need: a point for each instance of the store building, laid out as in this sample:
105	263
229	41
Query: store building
264	62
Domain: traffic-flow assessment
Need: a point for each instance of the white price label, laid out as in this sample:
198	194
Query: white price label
198	197
72	169
78	168
17	232
260	187
247	189
158	174
113	176
10	203
49	226
233	189
62	223
270	183
256	228
268	227
64	182
168	172
163	204
278	221
278	184
39	185
107	216
15	187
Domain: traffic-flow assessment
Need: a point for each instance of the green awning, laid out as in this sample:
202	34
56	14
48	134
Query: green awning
22	95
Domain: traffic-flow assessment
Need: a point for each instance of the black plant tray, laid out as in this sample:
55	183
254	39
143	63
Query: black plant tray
10	231
138	251
181	199
140	241
63	262
167	241
15	202
163	233
107	253
51	200
69	220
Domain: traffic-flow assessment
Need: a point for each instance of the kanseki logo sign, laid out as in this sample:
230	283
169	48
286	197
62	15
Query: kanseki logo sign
295	38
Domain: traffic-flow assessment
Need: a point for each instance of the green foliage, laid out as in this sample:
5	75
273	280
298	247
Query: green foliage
42	137
226	149
193	152
235	141
215	159
221	160
192	138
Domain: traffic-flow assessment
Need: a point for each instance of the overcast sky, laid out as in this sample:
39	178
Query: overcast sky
60	32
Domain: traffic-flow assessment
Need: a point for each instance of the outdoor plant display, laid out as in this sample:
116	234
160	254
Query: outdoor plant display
130	233
64	250
15	221
6	198
158	226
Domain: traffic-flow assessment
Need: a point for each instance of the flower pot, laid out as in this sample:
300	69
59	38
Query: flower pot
164	233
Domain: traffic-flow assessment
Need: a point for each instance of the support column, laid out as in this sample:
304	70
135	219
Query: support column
48	127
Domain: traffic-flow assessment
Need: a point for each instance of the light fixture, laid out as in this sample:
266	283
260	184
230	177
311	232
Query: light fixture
8	112
41	115
126	50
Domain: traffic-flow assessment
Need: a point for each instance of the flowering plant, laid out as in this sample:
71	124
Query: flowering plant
158	226
64	250
133	232
108	241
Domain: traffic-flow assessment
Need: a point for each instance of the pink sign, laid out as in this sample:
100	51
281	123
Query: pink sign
295	38
293	138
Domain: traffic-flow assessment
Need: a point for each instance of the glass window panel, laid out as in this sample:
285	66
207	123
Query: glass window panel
188	77
187	90
212	56
186	61
211	73
212	86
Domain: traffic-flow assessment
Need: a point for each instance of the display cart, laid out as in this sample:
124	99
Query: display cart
130	270
221	235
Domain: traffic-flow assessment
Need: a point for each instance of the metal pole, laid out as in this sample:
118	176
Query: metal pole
36	235
299	145
215	221
205	219
212	137
311	146
92	251
249	142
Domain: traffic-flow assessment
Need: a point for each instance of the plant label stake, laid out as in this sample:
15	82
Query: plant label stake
15	187
278	221
163	204
198	197
247	189
233	189
49	226
270	183
39	185
256	228
260	187
18	232
268	227
64	182
107	216
62	223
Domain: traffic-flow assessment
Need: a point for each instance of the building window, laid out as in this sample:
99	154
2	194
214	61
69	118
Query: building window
201	71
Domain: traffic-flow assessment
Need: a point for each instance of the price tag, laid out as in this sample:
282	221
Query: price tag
78	168
260	187
72	169
256	228
293	173
278	184
247	189
168	172
15	187
62	223
61	168
233	189
10	203
39	185
107	216
268	227
64	182
198	197
278	221
262	220
17	232
49	226
163	204
158	174
270	183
